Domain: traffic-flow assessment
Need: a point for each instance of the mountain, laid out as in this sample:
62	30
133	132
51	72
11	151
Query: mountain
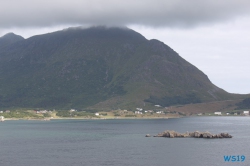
9	38
99	67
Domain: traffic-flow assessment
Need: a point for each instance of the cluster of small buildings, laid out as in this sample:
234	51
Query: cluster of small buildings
140	111
7	111
246	113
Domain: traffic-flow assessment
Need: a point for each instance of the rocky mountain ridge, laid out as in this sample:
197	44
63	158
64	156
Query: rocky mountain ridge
100	68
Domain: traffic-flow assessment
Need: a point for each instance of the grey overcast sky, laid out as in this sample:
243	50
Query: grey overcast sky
213	35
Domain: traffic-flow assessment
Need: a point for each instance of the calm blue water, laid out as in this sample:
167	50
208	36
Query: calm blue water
121	142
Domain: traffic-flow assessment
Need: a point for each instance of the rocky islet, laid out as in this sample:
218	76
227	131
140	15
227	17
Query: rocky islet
195	134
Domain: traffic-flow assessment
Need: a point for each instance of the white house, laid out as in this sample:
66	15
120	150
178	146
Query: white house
139	109
138	112
217	113
246	112
157	106
1	118
97	114
72	110
42	112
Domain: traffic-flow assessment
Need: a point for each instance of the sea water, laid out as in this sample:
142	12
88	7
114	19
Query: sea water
122	142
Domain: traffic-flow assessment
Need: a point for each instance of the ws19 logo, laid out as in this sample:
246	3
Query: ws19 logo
235	158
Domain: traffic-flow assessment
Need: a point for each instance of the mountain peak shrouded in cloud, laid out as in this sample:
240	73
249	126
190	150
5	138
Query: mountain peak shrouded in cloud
99	32
99	67
160	13
219	27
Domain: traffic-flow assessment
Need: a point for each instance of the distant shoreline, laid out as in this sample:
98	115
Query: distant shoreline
110	118
48	119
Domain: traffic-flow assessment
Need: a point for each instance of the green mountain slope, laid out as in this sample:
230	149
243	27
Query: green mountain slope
99	67
245	104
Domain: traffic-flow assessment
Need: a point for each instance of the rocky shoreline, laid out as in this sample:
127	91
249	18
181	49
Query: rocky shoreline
195	134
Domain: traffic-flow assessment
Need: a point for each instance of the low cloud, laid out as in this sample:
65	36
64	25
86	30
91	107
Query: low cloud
160	13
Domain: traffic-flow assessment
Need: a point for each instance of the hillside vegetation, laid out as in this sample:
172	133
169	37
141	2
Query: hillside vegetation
98	68
245	104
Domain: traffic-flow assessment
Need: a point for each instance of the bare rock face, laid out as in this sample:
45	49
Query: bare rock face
166	134
225	135
195	134
191	134
170	134
187	134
